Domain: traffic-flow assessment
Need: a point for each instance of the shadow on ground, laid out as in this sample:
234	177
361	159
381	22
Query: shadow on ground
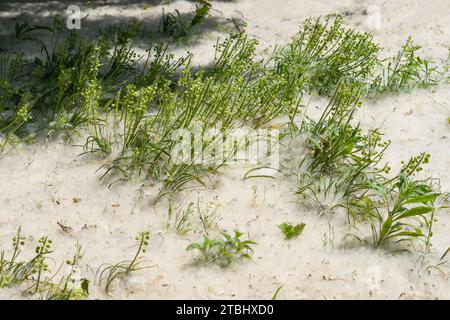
110	13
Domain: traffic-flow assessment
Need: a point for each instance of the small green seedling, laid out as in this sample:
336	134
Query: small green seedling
225	251
275	295
291	231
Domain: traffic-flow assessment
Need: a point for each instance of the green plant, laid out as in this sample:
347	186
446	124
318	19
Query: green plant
123	61
172	25
201	12
181	218
207	218
53	94
70	287
405	71
340	158
107	273
275	295
327	52
146	146
324	53
177	26
225	251
14	272
291	231
39	263
399	209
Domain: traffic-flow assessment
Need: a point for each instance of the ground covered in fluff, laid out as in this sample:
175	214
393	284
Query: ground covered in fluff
51	187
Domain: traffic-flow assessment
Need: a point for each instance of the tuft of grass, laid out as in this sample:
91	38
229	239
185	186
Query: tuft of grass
405	71
290	230
176	26
108	273
207	218
340	156
224	251
172	25
146	142
184	220
342	170
180	219
325	52
52	94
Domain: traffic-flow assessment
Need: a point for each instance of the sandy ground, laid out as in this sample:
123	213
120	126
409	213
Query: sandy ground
39	183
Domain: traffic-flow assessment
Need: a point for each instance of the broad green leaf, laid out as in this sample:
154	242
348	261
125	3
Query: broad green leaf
424	198
386	227
417	211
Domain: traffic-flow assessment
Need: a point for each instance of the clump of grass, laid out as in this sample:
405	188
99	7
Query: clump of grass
333	139
325	52
342	170
183	220
180	218
340	156
50	96
201	11
202	100
207	217
405	71
223	251
174	25
108	273
290	230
